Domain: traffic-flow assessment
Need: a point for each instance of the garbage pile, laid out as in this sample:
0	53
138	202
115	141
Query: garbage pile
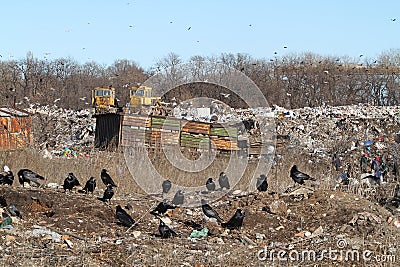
62	132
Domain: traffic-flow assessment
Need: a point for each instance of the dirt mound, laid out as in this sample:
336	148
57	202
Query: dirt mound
70	229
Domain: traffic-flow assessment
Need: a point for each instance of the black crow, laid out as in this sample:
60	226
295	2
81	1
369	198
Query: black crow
372	179
178	198
223	181
298	176
162	208
14	211
108	194
209	212
166	186
90	185
106	178
28	176
210	184
165	231
262	184
8	177
70	182
123	217
235	222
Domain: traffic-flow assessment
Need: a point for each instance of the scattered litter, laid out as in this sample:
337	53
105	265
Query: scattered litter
199	233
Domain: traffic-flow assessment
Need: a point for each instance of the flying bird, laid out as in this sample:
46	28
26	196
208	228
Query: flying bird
262	184
225	95
210	184
70	182
90	185
108	194
165	231
189	28
209	212
162	208
178	198
298	176
106	178
28	176
235	222
123	217
14	211
166	186
223	181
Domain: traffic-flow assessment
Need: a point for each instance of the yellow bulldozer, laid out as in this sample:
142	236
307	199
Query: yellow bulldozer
141	98
103	100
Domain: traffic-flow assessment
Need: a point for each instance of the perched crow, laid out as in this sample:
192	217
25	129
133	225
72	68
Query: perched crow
165	231
106	178
70	182
262	184
223	181
108	194
210	184
14	211
162	208
90	185
178	198
209	212
28	176
166	186
298	176
235	222
8	177
123	217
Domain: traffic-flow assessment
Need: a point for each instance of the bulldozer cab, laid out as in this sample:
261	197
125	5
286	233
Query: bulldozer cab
103	99
142	96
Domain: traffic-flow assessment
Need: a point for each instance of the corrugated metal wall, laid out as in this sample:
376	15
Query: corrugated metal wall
107	133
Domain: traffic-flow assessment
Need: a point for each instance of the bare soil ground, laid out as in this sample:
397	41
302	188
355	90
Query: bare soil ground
333	218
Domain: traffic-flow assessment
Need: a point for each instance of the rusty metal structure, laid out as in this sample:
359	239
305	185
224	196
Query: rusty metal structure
15	128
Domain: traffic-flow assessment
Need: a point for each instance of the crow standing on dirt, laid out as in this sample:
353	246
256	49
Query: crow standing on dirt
165	231
162	208
28	176
223	181
262	184
90	185
106	178
209	212
123	217
178	198
210	184
70	182
7	177
298	176
108	194
235	222
166	186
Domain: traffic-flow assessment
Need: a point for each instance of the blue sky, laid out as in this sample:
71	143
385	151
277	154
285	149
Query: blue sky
145	31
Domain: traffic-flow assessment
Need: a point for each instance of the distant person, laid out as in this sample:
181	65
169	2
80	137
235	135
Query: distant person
364	163
337	162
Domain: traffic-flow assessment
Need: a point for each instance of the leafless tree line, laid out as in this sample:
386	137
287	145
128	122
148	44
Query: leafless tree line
293	80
